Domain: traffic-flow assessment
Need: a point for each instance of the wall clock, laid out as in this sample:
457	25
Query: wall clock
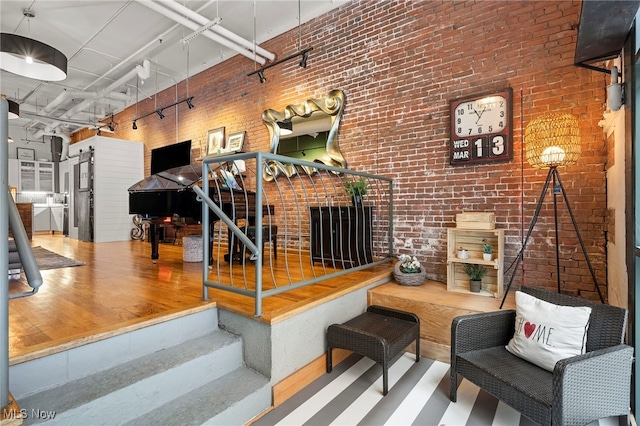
481	128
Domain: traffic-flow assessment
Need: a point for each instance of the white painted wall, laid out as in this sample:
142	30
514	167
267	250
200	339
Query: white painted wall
117	166
617	274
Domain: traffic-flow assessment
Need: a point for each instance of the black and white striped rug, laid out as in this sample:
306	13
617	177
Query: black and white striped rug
418	395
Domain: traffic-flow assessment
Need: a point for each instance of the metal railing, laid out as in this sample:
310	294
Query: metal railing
311	228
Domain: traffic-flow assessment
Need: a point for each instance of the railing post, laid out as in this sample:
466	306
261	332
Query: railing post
258	215
205	231
4	253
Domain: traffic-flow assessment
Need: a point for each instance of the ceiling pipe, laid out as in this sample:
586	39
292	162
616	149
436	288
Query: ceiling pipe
196	17
193	26
143	72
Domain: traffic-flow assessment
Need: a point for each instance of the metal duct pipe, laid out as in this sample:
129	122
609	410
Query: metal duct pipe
193	26
196	17
145	70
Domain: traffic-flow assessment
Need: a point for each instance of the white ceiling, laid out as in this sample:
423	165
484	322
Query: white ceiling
104	41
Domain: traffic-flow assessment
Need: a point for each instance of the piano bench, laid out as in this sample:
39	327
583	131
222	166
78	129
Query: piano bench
269	233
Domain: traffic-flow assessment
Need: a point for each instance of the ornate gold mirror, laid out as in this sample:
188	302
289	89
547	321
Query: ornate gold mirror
307	132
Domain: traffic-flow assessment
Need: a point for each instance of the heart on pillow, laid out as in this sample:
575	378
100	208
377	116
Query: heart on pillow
529	329
546	333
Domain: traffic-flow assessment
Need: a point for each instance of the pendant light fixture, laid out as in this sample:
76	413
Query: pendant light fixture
31	58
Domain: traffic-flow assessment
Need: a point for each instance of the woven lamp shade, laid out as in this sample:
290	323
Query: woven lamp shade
552	140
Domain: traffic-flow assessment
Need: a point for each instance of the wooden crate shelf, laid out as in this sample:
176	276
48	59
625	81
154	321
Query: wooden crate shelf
472	240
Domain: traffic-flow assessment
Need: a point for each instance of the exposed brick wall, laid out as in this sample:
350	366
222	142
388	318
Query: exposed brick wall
399	64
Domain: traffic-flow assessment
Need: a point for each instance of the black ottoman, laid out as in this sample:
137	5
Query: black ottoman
380	334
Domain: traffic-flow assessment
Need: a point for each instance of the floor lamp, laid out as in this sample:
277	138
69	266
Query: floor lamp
552	141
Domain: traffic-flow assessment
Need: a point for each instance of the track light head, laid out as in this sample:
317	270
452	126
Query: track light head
160	114
303	62
189	103
135	126
261	77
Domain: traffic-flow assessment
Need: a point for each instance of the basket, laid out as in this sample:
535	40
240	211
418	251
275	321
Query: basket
416	278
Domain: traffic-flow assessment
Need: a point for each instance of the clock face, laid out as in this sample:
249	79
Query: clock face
481	128
486	115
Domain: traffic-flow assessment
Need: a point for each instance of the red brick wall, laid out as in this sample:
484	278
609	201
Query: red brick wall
399	64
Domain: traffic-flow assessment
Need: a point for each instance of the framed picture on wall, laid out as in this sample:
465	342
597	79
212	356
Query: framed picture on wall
235	141
26	154
83	176
215	141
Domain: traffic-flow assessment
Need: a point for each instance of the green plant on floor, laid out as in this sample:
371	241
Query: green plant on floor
475	272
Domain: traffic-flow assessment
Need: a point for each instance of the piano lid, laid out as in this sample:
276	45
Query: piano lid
175	179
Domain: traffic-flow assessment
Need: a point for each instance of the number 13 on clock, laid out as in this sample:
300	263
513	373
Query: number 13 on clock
481	128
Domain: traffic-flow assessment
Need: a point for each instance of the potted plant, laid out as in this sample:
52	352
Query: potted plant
408	270
487	251
356	188
476	273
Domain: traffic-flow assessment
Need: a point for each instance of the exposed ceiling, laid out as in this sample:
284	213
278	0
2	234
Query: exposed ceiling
109	42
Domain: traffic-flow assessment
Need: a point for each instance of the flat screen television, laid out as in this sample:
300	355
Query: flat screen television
170	156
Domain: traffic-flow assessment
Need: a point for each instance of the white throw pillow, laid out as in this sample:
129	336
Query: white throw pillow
546	333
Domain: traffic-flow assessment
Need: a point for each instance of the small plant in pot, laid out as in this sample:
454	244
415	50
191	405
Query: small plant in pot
356	188
476	273
487	251
408	270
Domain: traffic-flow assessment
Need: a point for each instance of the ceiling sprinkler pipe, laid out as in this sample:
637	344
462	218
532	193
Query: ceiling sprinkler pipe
195	16
193	26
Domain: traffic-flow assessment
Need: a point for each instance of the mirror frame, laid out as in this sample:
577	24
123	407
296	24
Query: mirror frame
332	105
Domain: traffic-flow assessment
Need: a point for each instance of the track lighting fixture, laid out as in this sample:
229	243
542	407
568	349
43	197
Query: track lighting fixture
303	63
188	101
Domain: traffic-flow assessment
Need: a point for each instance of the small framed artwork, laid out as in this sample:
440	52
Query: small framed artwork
26	154
83	177
235	141
215	141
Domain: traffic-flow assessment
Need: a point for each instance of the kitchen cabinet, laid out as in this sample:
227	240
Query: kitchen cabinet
41	218
48	218
57	216
341	235
35	176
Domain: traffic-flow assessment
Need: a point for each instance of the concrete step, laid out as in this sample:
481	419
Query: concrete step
130	391
77	361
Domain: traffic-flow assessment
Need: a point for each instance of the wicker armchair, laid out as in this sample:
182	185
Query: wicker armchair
581	389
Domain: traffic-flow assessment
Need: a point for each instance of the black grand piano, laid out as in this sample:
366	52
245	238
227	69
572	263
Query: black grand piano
167	196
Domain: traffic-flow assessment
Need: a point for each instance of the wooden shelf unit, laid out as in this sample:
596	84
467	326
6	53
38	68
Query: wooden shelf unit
472	241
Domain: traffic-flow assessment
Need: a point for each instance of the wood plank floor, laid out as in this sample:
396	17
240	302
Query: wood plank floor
120	289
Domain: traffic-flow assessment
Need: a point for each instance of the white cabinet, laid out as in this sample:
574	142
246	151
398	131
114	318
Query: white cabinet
48	218
35	176
57	215
41	218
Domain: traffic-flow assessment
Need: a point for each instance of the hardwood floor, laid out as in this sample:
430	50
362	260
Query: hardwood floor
119	289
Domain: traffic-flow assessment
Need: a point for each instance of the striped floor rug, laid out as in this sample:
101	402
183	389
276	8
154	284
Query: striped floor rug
418	395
